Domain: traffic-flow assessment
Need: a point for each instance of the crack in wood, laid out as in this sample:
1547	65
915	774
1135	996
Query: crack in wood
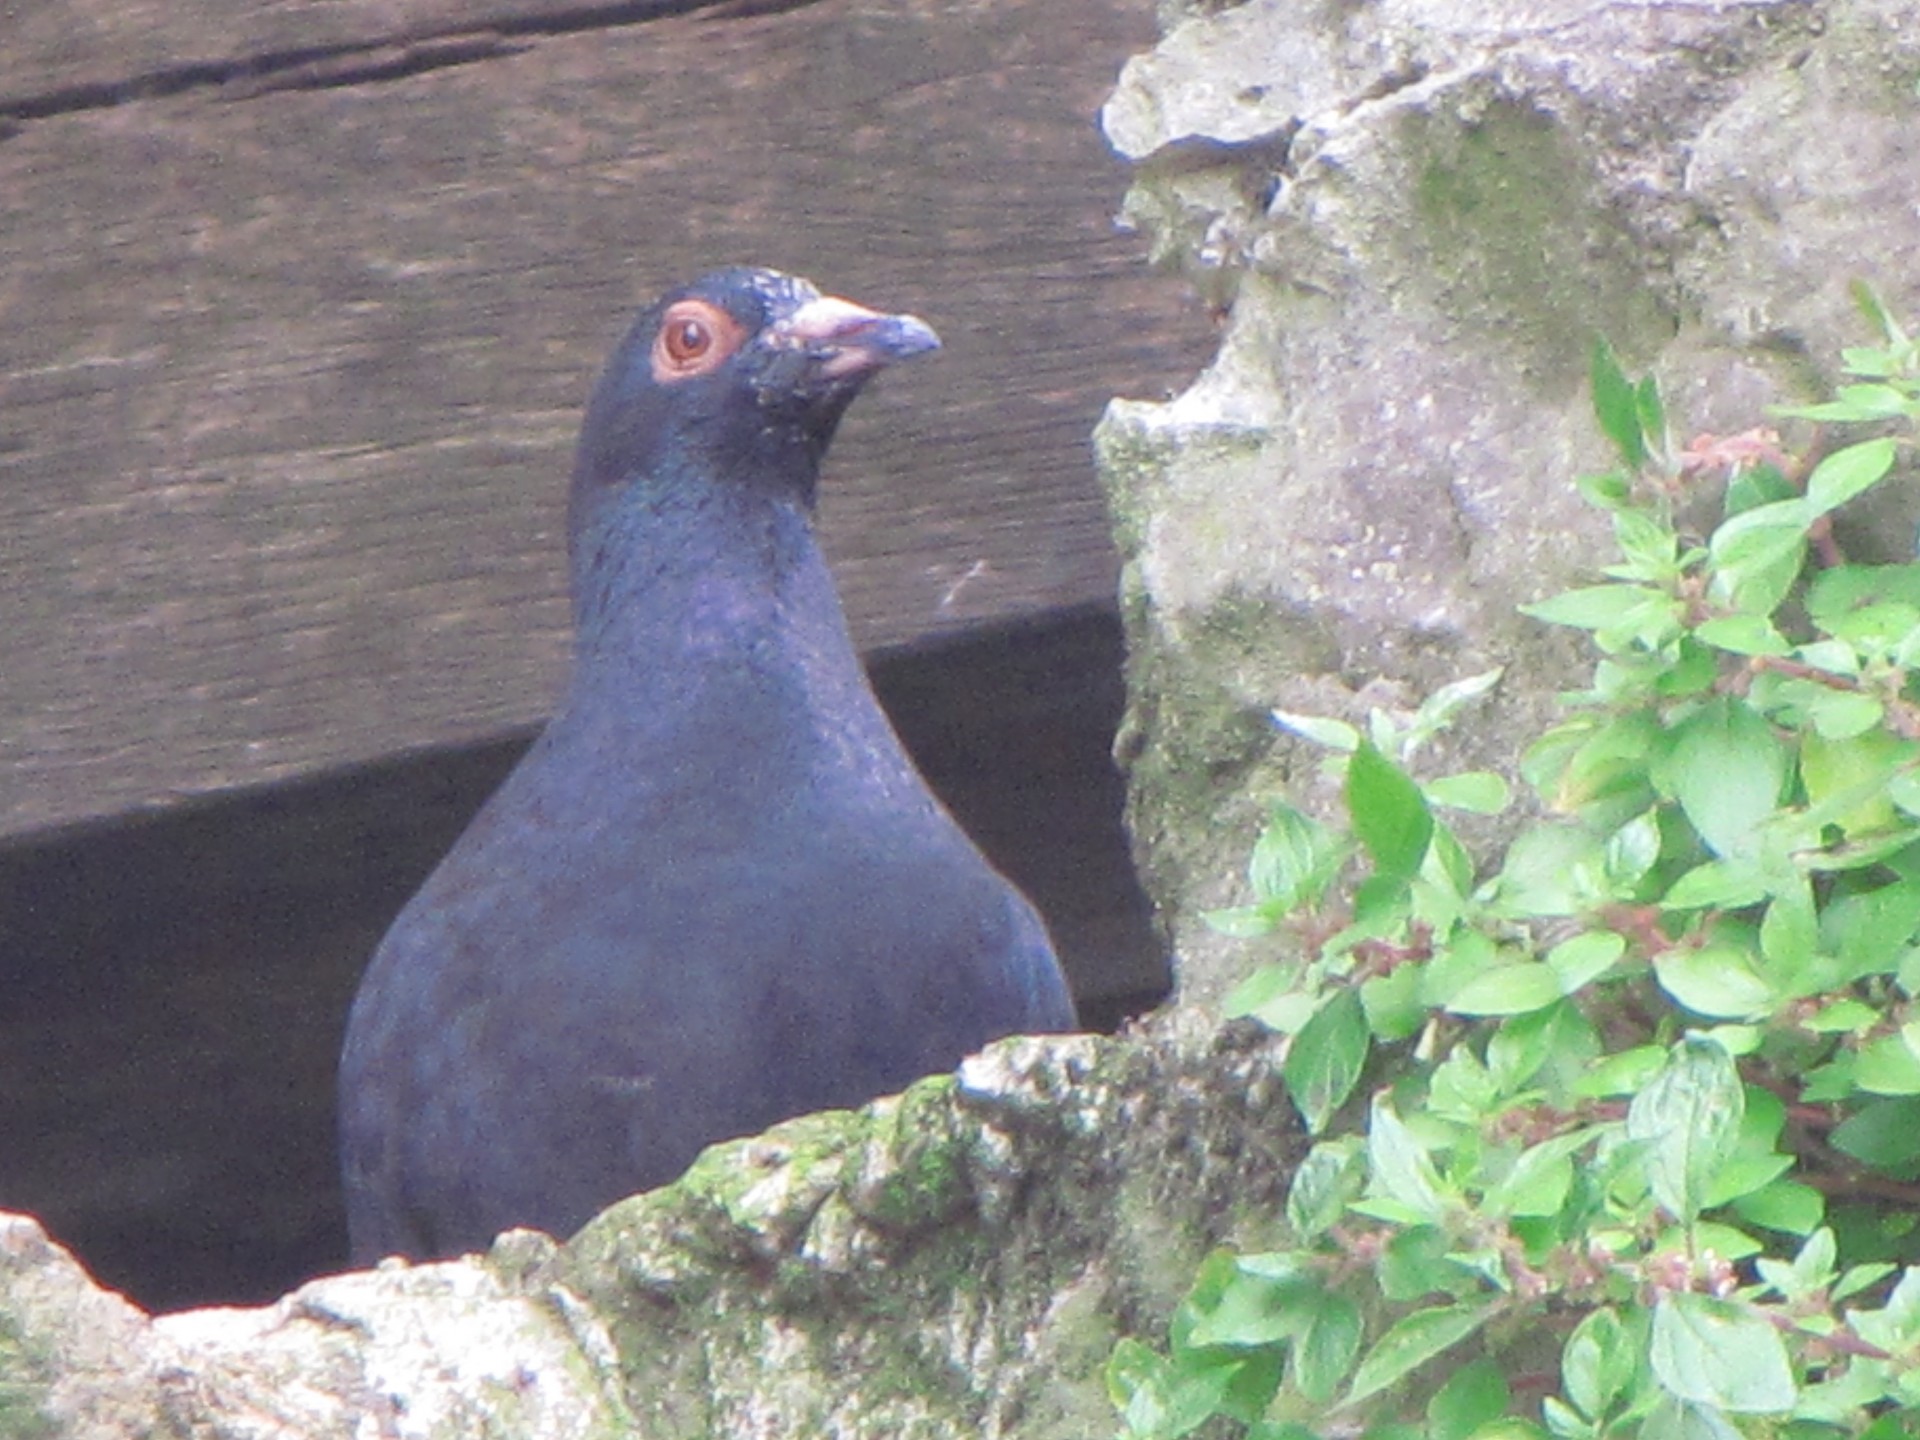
369	66
389	57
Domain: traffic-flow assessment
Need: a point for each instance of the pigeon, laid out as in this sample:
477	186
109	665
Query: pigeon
715	893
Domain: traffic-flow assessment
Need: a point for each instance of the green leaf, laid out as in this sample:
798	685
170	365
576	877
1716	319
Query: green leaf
1390	815
1598	1363
1743	634
1761	535
1131	1368
1605	492
1474	1396
1541	1177
1871	930
1587	757
1379	903
1726	767
1392	1003
1858	404
1324	1354
1507	990
1511	1427
1439	710
1824	1084
1745	1173
1896	1325
1785	1205
1616	405
1672	1419
1812	1269
1689	1114
1596	607
1272	995
1881	626
1846	473
1831	656
1859	1277
1156	1399
1652	413
1334	734
1838	591
1694	670
1720	1353
1621	1074
1718	982
1585	958
1414	1340
1479	792
1842	1017
1887	1065
1448	866
1547	871
1738	1041
1904	791
1851	775
1244	922
1720	884
1326	1058
1858	853
1843	715
1294	860
1632	851
1262	1303
1414	1264
1400	1168
1328	1179
1461	1088
1757	485
1649	547
1789	934
1758	554
1559	1036
1868	302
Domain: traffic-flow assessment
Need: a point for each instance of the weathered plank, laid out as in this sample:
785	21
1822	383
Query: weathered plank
74	53
289	377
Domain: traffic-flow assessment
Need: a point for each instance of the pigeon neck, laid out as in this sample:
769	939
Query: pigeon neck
705	576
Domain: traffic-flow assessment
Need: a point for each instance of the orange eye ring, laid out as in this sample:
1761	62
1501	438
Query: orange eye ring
695	337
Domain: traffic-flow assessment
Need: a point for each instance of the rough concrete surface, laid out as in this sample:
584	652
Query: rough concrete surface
956	1260
1412	219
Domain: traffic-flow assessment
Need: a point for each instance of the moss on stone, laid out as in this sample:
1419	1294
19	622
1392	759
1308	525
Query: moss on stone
1510	231
23	1386
923	1181
1880	60
935	1208
1142	455
1214	758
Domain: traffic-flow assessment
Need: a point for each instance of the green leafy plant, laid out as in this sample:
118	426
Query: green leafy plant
1619	1138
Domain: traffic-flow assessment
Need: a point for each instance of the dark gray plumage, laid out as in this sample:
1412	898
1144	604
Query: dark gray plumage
715	893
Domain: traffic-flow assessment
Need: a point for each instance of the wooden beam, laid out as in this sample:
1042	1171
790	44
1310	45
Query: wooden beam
289	377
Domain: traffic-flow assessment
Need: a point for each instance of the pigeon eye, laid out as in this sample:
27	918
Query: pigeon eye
687	340
694	338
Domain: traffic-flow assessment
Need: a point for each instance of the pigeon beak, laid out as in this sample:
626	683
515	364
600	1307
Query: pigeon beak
853	340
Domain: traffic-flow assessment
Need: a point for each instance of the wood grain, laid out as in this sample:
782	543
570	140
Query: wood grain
78	53
289	377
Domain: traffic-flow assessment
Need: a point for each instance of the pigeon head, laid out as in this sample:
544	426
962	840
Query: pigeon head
738	379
